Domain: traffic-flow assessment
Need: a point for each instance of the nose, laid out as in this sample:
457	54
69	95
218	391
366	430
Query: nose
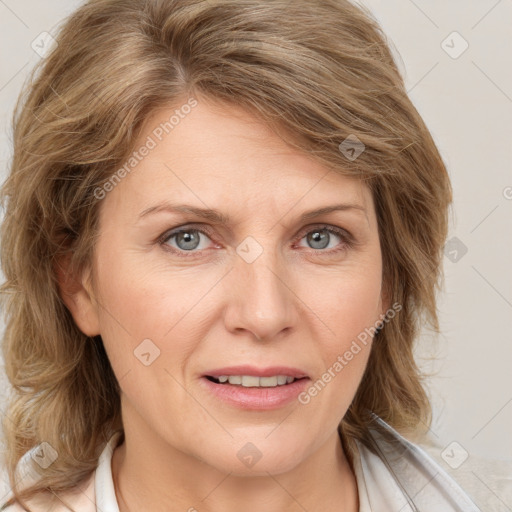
261	298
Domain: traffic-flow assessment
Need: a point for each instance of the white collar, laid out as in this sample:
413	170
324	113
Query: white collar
382	483
103	482
398	476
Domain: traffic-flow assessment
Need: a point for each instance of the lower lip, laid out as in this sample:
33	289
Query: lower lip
258	398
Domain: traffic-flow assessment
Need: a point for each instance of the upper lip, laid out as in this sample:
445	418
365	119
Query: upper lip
269	371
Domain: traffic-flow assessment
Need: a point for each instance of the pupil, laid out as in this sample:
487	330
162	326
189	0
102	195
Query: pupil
317	236
188	237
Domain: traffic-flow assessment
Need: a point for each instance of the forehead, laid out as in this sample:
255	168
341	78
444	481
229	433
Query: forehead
221	156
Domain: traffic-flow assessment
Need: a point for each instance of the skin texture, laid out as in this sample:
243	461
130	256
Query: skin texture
297	304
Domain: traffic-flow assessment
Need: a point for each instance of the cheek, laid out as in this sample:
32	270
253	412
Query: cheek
140	302
138	293
348	307
347	301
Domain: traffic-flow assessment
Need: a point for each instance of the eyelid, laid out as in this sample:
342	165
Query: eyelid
324	226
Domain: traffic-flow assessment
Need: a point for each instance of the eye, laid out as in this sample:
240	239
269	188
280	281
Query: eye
320	238
185	239
191	240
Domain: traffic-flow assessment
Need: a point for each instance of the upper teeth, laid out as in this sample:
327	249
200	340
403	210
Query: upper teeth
249	381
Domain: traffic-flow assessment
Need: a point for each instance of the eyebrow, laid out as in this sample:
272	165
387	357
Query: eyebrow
220	218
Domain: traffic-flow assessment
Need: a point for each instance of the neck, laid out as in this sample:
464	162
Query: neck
151	476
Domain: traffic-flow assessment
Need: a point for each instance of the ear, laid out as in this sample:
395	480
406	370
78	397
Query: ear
77	295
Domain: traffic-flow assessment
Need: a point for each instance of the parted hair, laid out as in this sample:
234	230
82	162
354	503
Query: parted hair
316	72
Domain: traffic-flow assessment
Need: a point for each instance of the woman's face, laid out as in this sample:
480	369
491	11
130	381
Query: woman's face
261	283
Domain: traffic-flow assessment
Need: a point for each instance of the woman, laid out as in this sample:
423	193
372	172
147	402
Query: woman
224	225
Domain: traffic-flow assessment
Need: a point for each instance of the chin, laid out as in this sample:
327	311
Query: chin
248	460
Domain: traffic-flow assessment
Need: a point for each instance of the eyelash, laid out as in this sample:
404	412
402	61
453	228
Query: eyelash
347	240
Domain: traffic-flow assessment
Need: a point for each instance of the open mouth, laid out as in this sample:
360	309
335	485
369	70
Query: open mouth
251	381
252	392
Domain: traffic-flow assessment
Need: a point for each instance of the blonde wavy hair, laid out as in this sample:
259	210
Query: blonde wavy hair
316	72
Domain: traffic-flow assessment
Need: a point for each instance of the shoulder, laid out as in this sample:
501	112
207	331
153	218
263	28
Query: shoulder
487	480
96	492
80	499
397	472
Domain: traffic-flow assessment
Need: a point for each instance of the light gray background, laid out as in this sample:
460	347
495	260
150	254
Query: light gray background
466	101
